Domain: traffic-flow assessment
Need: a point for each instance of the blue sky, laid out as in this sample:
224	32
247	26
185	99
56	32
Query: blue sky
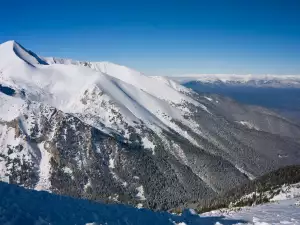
162	37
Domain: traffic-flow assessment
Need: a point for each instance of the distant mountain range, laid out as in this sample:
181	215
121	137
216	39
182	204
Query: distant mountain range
276	81
279	93
105	132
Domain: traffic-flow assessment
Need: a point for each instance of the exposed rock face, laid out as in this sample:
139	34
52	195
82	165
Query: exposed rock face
115	139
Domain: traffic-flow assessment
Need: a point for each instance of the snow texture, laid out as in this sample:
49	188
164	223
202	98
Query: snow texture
248	125
45	170
140	193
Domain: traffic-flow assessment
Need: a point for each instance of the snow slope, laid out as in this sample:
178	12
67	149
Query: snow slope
282	212
148	84
283	208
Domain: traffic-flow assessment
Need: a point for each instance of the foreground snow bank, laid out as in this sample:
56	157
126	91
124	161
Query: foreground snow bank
22	206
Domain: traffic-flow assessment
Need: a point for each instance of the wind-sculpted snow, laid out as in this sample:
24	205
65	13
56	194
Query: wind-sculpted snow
89	129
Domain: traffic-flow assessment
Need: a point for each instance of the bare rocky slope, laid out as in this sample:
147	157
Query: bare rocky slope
108	133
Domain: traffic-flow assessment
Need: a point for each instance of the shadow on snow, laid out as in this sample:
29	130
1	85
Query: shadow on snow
22	206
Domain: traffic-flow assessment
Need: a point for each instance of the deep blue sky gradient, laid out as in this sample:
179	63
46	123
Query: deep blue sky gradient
162	37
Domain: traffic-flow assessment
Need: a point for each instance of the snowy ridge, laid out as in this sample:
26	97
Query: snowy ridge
64	85
13	51
168	89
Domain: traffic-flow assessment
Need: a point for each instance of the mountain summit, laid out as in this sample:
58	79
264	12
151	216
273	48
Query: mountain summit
105	132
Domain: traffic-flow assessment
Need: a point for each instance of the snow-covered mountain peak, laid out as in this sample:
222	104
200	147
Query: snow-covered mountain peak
88	88
106	130
8	52
13	51
11	44
49	73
